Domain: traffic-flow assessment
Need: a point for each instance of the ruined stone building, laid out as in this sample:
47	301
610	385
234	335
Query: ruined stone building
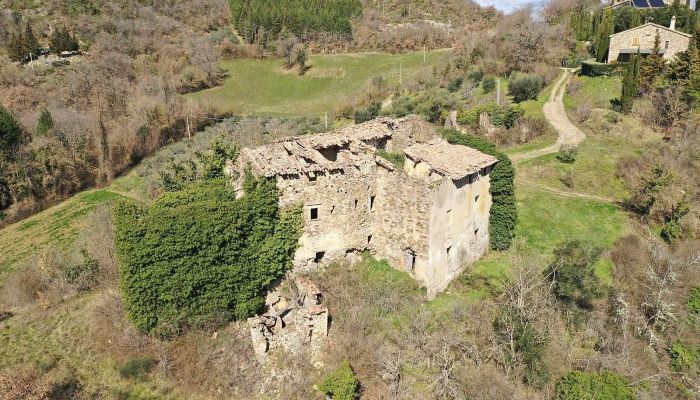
428	216
641	39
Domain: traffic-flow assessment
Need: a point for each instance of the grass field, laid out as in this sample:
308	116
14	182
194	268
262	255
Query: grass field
55	227
594	91
265	87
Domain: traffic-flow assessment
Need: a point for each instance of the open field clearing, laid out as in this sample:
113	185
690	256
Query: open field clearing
266	87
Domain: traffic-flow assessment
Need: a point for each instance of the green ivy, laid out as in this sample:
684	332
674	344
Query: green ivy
694	301
504	214
505	116
199	256
606	385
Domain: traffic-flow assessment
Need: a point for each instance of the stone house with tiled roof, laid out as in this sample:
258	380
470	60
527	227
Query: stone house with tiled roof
428	216
641	39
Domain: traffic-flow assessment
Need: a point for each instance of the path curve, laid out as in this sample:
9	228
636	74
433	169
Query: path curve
555	114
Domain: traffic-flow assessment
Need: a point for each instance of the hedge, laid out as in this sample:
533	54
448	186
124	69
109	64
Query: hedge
199	256
504	214
606	385
593	68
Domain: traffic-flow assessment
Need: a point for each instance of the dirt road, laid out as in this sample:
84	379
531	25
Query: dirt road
555	114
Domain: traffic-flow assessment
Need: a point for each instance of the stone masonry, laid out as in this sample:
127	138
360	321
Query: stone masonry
428	217
626	43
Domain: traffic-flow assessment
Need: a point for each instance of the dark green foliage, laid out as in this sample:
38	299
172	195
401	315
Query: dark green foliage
397	158
342	384
605	385
62	40
264	21
573	277
652	66
504	214
455	84
369	113
178	176
208	165
10	132
630	85
45	122
581	23
504	116
524	86
488	85
604	29
672	229
517	331
694	301
593	68
31	45
136	368
567	154
198	256
683	357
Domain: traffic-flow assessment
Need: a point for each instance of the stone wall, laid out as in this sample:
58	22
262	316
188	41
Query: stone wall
646	35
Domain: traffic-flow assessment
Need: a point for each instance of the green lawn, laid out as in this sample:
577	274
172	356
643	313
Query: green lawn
594	91
265	87
56	227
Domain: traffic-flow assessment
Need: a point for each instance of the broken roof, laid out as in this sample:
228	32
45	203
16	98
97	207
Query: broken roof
450	160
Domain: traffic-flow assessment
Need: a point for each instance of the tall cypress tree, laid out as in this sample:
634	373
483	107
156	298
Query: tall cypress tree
607	24
652	66
630	84
31	45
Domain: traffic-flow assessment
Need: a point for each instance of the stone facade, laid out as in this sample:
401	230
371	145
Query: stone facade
428	217
641	38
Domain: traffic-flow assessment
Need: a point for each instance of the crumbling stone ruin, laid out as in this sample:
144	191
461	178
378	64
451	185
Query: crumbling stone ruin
426	213
295	319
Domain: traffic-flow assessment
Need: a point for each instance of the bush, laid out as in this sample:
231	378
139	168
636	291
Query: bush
567	154
368	114
342	384
136	368
572	273
504	116
606	385
455	84
694	301
200	256
488	85
683	357
10	131
45	122
524	86
504	214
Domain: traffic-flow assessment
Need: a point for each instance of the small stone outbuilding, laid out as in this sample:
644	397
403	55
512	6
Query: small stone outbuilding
427	215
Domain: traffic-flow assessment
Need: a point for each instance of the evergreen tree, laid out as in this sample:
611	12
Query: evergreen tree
15	48
630	84
652	66
30	43
45	122
62	40
605	29
10	132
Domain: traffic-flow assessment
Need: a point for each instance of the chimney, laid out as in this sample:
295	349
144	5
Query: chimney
673	23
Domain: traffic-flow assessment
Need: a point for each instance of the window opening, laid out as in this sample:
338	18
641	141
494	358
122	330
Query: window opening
409	260
319	256
371	202
314	213
448	250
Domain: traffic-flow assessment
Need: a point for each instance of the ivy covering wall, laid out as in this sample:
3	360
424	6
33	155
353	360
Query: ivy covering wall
199	257
504	214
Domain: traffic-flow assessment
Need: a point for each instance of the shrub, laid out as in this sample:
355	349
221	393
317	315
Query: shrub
683	357
455	84
504	116
524	86
342	384
136	368
488	85
10	131
694	301
606	385
504	214
567	154
572	273
369	113
45	122
200	256
83	274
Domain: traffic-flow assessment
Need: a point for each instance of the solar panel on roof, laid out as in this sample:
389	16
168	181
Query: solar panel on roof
641	3
657	3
